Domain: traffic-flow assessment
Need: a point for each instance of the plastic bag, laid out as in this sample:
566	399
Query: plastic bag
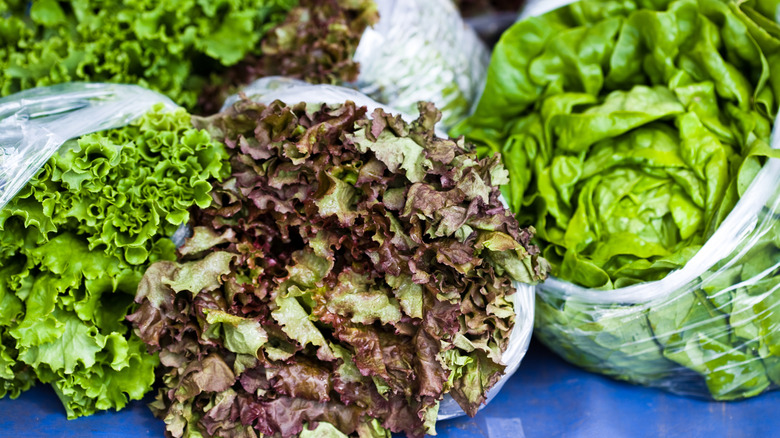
36	122
267	90
709	330
534	8
421	50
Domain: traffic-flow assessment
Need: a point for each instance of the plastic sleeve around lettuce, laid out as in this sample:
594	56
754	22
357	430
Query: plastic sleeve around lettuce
422	50
709	330
267	90
535	8
36	122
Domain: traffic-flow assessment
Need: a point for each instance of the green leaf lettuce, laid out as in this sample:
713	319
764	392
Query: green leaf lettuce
74	244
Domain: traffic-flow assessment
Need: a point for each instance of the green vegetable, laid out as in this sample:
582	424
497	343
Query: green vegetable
630	130
627	134
171	46
74	244
422	51
717	336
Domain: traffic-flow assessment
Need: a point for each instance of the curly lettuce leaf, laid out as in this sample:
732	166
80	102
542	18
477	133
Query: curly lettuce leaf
363	248
316	42
171	47
74	244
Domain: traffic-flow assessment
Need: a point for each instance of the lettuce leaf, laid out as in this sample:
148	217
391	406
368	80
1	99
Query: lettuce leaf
74	244
629	142
316	42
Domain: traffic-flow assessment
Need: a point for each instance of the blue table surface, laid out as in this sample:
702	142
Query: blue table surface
546	398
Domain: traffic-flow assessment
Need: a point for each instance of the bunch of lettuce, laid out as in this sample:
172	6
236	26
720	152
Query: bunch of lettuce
316	43
630	130
168	46
74	244
351	272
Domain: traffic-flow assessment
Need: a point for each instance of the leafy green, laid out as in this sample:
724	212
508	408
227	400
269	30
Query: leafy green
356	255
716	336
74	244
628	142
171	47
630	130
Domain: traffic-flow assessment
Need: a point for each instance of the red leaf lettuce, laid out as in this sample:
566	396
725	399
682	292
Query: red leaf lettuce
351	272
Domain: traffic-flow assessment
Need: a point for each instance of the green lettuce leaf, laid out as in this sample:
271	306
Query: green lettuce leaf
170	47
74	245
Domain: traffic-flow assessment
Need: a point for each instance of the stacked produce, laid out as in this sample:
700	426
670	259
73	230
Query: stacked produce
198	53
325	269
630	132
76	241
349	273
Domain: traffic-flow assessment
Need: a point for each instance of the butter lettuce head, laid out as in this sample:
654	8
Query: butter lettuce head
351	271
630	129
74	244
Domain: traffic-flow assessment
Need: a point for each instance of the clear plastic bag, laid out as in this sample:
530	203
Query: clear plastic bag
273	88
422	50
535	8
267	90
709	330
36	122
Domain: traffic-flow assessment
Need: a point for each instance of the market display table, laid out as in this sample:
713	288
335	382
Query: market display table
546	398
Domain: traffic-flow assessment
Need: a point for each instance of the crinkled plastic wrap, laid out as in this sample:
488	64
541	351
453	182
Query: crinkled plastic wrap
269	89
35	123
422	50
273	88
710	330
